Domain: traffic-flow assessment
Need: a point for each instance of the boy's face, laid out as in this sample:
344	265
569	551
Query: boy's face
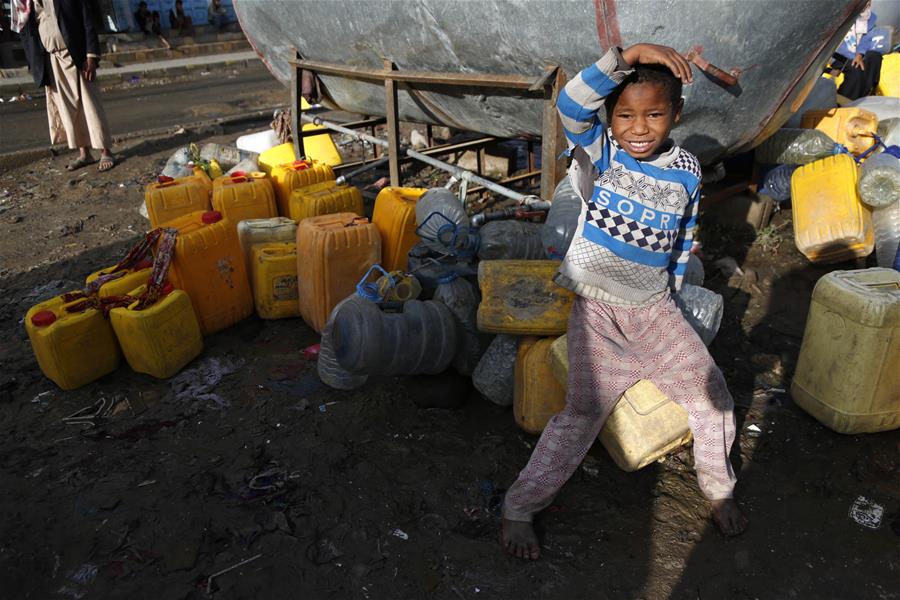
642	118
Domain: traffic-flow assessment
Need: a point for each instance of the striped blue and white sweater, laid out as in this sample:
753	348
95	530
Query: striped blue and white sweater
637	217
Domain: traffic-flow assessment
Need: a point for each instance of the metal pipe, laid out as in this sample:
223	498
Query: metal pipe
457	172
359	171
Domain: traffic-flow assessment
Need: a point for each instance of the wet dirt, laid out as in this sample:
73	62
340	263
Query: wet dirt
318	493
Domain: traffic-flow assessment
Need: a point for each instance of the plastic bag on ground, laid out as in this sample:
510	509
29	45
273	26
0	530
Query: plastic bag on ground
226	156
178	164
248	165
702	308
495	374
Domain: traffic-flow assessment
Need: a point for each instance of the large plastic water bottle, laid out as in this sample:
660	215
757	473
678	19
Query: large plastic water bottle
442	223
330	372
495	375
462	297
889	131
886	223
371	341
429	266
879	180
511	240
795	147
777	182
694	273
702	308
562	220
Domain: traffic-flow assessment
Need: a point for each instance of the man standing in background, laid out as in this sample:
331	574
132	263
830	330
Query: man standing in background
62	50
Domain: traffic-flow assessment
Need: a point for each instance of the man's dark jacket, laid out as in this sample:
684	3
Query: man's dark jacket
76	22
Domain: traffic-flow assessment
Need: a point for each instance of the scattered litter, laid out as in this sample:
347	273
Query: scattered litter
312	352
89	415
85	574
42	397
399	533
226	570
198	383
134	79
147	482
867	513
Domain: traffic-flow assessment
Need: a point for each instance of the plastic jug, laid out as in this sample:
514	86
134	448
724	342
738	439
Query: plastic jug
645	424
265	231
333	253
889	81
371	341
273	279
320	148
330	371
243	196
519	296
795	147
886	222
830	222
130	279
851	127
510	240
777	183
429	266
889	131
847	375
292	175
879	180
494	376
537	396
72	349
702	308
442	223
395	217
160	339
324	199
562	220
169	198
462	298
208	264
881	106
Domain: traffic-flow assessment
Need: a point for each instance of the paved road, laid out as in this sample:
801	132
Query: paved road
23	125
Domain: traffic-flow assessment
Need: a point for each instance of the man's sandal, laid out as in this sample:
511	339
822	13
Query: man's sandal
79	163
106	163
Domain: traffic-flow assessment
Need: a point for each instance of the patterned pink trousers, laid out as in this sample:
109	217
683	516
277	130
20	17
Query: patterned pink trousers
610	349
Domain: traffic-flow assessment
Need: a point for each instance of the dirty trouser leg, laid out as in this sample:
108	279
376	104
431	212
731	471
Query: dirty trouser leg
594	385
683	369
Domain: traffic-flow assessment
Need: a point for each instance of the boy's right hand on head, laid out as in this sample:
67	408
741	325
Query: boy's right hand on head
653	54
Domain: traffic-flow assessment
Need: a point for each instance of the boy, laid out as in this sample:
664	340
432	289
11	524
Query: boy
631	247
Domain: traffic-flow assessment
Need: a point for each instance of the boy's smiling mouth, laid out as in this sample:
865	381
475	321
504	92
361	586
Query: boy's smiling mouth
640	146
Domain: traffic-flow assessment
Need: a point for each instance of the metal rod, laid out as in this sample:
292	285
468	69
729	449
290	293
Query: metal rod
366	167
457	172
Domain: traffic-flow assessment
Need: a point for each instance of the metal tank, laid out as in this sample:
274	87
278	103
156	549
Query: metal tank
777	47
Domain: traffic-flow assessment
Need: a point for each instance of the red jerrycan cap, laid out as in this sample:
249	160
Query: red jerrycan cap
165	179
43	318
238	174
211	216
300	165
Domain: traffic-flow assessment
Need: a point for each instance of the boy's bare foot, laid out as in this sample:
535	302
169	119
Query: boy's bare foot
728	517
519	539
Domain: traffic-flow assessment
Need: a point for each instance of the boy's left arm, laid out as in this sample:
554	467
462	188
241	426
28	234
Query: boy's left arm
681	248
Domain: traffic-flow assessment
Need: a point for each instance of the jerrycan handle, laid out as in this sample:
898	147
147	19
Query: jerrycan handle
165	181
239	177
301	165
357	221
369	290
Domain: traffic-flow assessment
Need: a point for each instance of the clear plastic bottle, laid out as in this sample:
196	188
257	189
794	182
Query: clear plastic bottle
510	240
371	341
702	308
889	131
562	220
794	147
879	180
462	298
886	223
777	183
442	223
330	372
178	164
694	273
495	375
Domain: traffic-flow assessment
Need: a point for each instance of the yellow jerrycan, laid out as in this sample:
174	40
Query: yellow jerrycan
520	297
289	176
537	396
325	198
133	278
242	196
395	217
853	127
169	198
273	277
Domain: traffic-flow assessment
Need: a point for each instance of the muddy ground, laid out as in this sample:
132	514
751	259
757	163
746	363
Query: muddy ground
367	494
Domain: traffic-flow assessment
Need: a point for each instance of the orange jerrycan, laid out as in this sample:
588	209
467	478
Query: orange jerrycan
170	198
208	264
537	396
290	176
395	217
273	276
853	127
72	348
520	297
333	253
831	224
324	199
162	338
241	196
124	283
